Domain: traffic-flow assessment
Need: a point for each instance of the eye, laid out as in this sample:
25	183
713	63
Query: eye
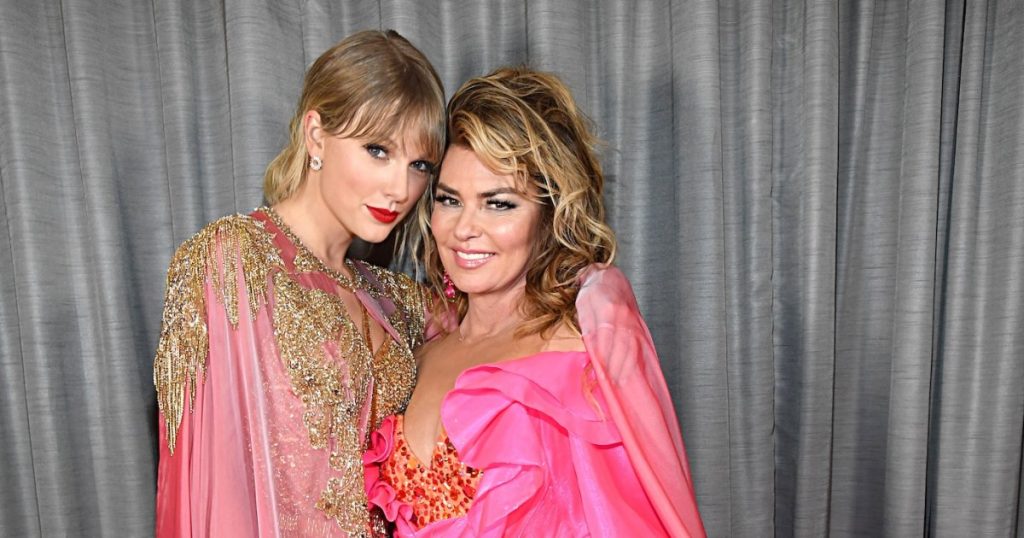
377	151
423	167
501	205
446	200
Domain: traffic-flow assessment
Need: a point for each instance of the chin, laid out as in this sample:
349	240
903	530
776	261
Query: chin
475	286
375	237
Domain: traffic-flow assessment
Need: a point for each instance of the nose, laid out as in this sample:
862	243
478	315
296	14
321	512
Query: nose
397	186
466	226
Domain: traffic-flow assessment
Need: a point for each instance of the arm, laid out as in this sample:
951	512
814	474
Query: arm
179	366
207	280
629	375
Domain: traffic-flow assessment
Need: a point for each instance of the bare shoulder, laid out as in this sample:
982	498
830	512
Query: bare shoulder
565	338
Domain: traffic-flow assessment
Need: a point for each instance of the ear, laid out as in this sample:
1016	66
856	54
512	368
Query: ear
313	132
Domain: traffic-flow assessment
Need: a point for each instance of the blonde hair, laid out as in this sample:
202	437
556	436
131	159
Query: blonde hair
372	84
525	123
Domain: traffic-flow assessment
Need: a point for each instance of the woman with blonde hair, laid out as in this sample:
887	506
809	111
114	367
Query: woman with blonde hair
545	412
277	353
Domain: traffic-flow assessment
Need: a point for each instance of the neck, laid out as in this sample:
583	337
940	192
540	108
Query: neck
318	229
491	314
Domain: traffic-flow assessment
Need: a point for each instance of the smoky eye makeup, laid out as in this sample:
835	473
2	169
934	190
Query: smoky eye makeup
445	199
501	204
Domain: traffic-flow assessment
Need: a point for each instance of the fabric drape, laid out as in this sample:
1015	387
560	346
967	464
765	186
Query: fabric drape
819	205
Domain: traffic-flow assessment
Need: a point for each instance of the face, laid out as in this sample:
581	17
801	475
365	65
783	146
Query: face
484	229
368	186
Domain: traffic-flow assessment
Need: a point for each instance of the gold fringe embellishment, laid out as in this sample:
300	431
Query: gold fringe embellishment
217	252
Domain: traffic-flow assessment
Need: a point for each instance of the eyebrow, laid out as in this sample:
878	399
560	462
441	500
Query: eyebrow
485	194
391	144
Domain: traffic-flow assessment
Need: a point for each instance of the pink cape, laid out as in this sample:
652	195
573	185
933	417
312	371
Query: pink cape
243	464
570	443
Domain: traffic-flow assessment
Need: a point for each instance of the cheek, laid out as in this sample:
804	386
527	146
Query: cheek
340	183
416	190
440	223
516	235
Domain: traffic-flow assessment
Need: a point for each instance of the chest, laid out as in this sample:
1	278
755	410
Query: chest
342	365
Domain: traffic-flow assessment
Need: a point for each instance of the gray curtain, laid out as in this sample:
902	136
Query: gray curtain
820	205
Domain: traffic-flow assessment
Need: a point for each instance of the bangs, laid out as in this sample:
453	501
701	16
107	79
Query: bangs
500	157
386	117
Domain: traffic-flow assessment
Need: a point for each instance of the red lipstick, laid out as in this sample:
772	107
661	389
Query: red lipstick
383	215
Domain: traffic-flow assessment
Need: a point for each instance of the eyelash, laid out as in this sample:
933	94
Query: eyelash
380	153
423	167
377	151
497	205
501	205
446	200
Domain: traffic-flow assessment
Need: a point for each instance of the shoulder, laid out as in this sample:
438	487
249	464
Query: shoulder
605	297
606	278
228	240
242	230
213	256
180	361
221	249
564	338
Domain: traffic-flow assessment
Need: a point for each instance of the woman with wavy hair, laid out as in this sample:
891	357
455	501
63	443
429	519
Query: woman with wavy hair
545	412
278	353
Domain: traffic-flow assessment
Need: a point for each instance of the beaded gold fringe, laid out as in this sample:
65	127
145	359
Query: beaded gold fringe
217	252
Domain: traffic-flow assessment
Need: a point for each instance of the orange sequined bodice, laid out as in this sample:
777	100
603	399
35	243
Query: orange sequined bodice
442	491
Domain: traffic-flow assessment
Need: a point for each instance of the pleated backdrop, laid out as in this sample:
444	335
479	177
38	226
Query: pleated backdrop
820	205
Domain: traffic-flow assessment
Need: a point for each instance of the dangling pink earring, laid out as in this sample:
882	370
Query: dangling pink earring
449	286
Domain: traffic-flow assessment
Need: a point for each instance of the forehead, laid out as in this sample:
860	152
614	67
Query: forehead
411	142
408	132
463	170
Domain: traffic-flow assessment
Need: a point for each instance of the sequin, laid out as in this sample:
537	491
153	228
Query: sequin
217	252
442	491
330	366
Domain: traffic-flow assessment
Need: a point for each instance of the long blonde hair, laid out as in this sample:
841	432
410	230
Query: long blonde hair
525	123
372	84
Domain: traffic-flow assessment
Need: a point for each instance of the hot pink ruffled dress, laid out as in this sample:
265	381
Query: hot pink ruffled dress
567	443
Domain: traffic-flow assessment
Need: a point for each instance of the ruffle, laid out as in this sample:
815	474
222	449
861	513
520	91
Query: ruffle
574	443
379	493
549	457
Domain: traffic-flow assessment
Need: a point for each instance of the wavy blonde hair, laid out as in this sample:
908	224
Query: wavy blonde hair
525	123
372	84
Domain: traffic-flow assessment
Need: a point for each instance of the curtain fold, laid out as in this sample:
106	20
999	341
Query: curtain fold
979	404
804	231
819	205
745	52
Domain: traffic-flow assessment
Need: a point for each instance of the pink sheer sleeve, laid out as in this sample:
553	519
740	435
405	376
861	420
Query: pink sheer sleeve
629	375
173	508
206	487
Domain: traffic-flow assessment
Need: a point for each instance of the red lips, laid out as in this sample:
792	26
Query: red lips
383	215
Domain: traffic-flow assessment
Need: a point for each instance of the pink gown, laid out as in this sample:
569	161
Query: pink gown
267	390
567	443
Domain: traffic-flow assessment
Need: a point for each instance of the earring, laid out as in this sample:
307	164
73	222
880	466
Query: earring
449	286
316	163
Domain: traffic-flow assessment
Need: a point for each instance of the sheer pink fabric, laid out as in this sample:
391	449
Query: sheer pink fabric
243	463
553	463
629	374
225	477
